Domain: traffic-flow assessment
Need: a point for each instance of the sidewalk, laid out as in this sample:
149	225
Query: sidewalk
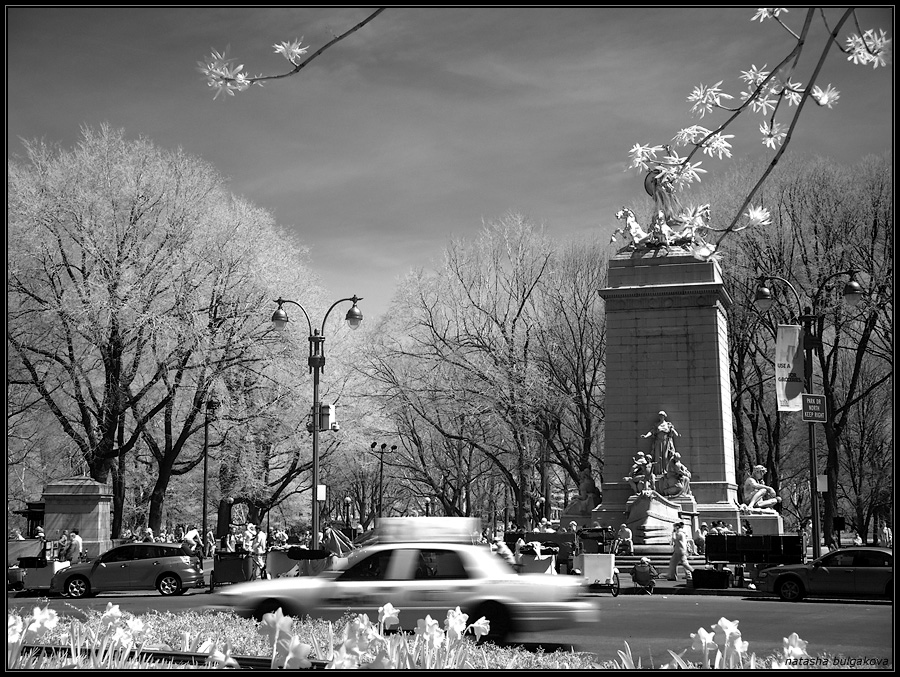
682	587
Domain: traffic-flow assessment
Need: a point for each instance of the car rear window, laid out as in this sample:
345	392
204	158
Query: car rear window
871	559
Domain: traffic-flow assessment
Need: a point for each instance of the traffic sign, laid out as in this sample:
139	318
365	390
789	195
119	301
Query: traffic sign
814	409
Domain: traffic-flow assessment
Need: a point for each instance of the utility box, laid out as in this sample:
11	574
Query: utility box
327	416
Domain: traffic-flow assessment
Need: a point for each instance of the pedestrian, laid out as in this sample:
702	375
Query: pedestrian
886	535
679	553
73	551
209	544
258	550
43	546
700	538
148	535
229	540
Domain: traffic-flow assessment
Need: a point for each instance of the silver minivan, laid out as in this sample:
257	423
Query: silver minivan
170	568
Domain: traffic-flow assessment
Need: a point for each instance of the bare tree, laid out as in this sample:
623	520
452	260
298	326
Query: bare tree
135	285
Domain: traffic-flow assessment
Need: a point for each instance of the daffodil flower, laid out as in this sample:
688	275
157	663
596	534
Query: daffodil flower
275	625
14	627
794	647
111	616
221	659
455	624
388	615
342	660
427	628
297	655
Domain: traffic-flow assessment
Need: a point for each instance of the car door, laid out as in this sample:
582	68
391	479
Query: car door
834	574
438	581
149	562
113	569
365	587
873	570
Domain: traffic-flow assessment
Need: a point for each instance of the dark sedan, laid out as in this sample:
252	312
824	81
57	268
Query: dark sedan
849	572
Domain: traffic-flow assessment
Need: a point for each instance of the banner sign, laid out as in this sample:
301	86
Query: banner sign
789	367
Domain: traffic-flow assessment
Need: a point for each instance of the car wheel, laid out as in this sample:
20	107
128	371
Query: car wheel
77	587
790	590
269	606
168	584
499	619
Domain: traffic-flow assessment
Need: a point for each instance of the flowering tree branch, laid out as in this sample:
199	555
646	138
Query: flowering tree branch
767	93
226	77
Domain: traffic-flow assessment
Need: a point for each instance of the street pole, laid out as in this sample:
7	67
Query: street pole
316	362
381	481
211	405
853	294
809	343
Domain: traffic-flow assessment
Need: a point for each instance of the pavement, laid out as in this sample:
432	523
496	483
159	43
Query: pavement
683	587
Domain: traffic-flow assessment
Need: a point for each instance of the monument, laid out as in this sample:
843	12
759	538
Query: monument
667	358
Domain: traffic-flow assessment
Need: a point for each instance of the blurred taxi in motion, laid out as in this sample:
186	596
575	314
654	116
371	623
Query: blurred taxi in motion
422	578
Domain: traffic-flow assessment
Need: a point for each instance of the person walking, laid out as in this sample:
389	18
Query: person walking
73	552
258	550
209	544
679	553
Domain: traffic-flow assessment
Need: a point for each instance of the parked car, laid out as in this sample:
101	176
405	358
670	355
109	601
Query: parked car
419	579
848	572
170	568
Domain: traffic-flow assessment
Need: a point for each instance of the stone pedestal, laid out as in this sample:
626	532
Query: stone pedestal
667	349
764	525
79	503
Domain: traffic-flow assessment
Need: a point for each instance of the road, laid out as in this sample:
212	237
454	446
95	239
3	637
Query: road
653	625
650	625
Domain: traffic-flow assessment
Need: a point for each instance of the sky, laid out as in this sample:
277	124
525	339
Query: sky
427	122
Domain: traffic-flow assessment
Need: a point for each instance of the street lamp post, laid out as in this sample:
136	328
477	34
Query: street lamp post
381	474
811	342
316	364
211	405
427	506
347	502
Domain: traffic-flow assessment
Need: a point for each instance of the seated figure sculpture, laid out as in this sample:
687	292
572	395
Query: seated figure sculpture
676	481
760	497
589	496
638	473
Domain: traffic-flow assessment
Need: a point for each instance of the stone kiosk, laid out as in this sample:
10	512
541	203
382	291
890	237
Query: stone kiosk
79	503
667	354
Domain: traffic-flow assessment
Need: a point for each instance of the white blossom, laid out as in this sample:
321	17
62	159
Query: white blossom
764	13
704	98
827	97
